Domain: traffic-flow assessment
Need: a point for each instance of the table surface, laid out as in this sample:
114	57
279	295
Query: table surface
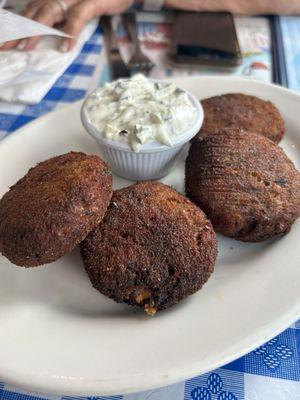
271	372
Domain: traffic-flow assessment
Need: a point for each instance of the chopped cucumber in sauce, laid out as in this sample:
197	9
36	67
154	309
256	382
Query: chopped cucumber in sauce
138	111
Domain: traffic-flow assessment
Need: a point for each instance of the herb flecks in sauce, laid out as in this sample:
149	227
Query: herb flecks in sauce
138	111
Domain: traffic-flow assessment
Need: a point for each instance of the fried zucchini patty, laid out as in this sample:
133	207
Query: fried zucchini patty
152	249
244	183
53	207
238	110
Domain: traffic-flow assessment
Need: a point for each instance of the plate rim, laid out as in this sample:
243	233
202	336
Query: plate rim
85	387
70	386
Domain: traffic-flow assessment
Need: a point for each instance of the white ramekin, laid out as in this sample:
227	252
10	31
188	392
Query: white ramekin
153	161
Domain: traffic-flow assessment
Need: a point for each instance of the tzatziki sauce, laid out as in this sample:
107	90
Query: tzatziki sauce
138	111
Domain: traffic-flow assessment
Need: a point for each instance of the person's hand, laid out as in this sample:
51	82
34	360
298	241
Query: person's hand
50	12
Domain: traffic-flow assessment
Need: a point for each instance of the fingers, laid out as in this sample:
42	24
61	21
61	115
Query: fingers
85	10
31	9
49	14
113	6
78	16
45	12
23	44
29	44
9	45
29	12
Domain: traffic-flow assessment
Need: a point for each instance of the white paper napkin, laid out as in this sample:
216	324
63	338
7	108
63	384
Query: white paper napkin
27	76
14	26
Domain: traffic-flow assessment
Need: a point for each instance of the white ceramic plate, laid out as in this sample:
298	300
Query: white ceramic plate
60	335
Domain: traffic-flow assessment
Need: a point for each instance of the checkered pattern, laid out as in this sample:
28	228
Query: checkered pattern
271	372
71	86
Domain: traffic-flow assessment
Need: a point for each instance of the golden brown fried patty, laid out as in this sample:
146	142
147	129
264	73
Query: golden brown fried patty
246	184
242	111
152	249
53	207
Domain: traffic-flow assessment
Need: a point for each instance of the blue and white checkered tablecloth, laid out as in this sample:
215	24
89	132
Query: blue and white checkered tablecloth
71	86
271	372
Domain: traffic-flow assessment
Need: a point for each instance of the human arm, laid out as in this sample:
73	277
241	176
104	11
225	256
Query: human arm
247	7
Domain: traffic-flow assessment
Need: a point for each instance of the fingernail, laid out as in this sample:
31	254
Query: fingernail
64	47
22	44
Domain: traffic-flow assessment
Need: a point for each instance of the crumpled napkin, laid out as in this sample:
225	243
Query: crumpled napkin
26	77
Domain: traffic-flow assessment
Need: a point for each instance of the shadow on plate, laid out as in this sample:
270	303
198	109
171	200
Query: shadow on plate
64	287
234	252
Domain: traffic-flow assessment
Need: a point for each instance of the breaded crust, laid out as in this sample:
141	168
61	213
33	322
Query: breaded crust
242	111
53	207
152	249
246	184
